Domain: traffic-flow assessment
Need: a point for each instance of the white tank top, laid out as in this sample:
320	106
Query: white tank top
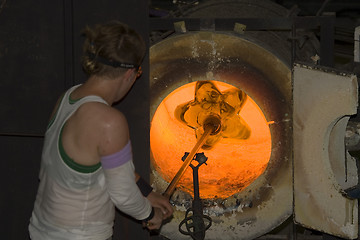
72	201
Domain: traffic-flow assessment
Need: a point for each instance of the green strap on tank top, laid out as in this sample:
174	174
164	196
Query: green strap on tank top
71	163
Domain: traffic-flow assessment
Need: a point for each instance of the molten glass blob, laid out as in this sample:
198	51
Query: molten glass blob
237	155
208	102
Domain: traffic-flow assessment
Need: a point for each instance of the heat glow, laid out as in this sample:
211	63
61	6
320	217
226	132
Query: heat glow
233	164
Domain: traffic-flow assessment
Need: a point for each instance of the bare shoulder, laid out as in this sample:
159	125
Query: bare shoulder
102	112
107	123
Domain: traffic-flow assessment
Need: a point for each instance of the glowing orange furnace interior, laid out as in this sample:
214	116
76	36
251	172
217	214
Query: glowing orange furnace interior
237	155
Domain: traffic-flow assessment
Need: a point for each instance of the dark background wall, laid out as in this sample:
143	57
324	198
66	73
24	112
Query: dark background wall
40	47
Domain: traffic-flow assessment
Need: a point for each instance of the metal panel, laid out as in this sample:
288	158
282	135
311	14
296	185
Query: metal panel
31	64
321	100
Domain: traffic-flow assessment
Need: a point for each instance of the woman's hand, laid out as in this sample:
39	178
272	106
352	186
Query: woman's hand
159	201
156	221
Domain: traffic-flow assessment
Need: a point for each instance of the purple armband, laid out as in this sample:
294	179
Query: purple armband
117	159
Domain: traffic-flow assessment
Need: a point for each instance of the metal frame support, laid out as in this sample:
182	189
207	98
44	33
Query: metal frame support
357	44
325	23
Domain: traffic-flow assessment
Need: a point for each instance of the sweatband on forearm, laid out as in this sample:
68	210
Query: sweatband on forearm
144	187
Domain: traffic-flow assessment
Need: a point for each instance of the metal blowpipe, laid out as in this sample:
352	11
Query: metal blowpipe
211	125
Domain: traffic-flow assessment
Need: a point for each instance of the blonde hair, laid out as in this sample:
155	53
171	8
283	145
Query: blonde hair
113	41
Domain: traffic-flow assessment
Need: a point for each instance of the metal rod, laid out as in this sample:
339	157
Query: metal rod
319	12
293	44
208	129
14	134
196	183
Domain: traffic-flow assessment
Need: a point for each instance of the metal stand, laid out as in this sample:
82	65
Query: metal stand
195	224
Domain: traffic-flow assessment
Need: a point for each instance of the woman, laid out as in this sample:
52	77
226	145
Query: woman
87	168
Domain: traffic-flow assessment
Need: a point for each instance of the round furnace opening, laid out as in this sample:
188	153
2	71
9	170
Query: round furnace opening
234	161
